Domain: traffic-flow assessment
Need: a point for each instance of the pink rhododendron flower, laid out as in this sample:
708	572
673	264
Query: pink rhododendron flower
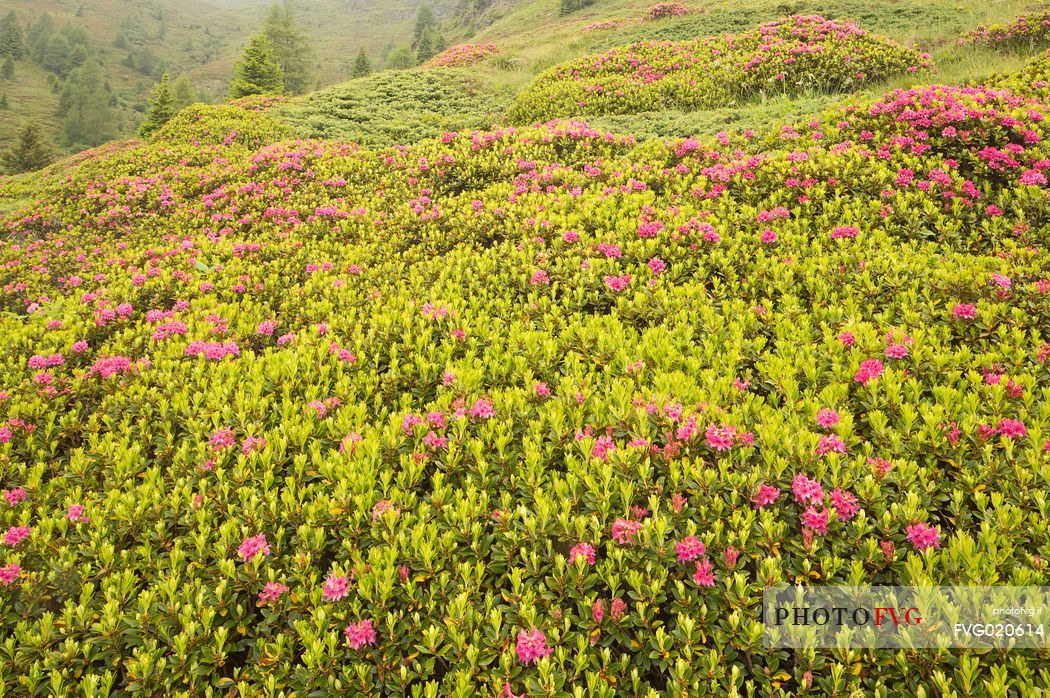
705	573
598	611
617	283
806	491
9	573
532	646
765	496
623	530
827	418
582	550
847	339
14	496
253	546
360	634
689	549
382	507
271	592
923	536
730	555
1011	428
336	586
830	444
251	444
720	437
76	513
816	521
869	370
482	409
965	311
16	534
845	504
617	609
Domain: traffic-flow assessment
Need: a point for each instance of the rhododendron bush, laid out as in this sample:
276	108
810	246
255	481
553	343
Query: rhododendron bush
790	55
521	411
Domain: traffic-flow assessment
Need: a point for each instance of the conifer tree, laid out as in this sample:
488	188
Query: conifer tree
257	72
183	92
362	66
30	153
290	47
12	40
425	19
427	47
161	107
8	71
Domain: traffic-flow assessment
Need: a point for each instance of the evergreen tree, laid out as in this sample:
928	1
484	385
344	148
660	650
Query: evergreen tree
39	35
30	153
427	47
361	65
8	71
425	19
58	56
569	6
161	107
401	58
86	108
258	71
3	102
290	47
12	41
183	92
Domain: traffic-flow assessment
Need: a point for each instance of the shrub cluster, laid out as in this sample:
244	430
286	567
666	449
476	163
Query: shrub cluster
1025	31
667	9
792	55
394	107
521	410
462	55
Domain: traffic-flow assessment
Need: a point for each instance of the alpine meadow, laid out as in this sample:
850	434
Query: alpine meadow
514	348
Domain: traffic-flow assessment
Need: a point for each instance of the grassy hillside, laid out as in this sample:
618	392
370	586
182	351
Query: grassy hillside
199	38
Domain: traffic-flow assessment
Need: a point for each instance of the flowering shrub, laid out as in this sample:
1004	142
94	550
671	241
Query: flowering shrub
603	25
461	55
396	460
667	9
1025	31
785	56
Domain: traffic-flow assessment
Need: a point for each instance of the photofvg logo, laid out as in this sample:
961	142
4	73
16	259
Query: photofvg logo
842	616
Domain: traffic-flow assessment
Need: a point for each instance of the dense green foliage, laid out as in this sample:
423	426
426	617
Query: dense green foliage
444	418
791	55
397	107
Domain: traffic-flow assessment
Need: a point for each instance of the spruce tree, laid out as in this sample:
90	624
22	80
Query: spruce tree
12	41
3	102
183	92
257	73
425	19
569	6
30	153
8	71
161	108
361	65
290	47
427	46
